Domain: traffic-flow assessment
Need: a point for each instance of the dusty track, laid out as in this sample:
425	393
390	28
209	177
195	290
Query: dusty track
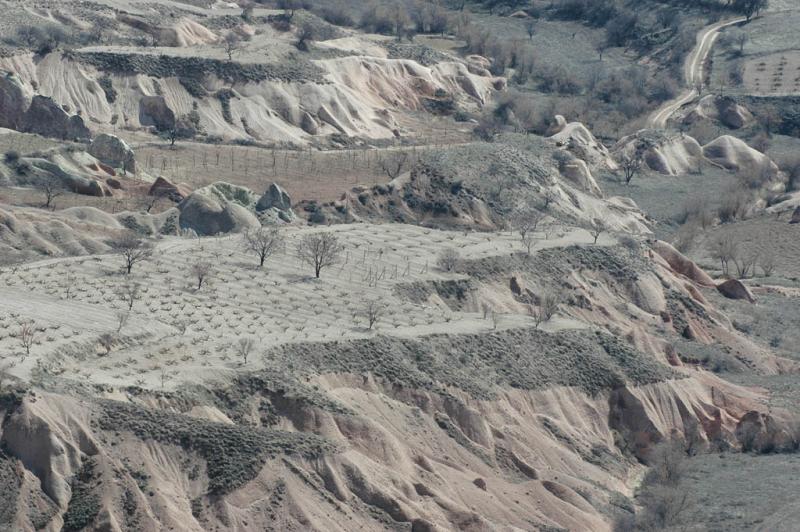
692	72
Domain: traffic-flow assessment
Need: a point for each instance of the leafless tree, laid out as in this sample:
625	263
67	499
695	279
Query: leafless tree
547	308
319	250
598	228
231	43
202	271
664	502
27	335
448	259
725	249
530	28
767	260
526	221
129	292
745	264
244	347
52	188
263	242
394	163
289	7
548	198
374	311
132	249
631	165
305	34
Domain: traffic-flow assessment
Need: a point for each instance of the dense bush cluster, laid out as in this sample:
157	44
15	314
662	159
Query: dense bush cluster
234	454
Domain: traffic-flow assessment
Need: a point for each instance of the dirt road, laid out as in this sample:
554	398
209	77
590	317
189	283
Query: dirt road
692	72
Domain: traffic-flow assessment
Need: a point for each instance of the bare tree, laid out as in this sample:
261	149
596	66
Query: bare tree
244	347
374	311
27	335
598	228
394	163
448	259
530	28
52	188
526	221
725	249
129	293
631	165
132	249
289	7
305	34
202	271
767	260
745	264
663	501
231	43
319	250
263	242
547	308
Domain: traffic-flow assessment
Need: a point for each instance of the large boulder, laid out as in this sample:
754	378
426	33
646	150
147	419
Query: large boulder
14	101
734	154
274	198
113	151
665	154
165	189
735	289
275	206
579	140
154	111
723	109
219	208
44	117
577	171
69	181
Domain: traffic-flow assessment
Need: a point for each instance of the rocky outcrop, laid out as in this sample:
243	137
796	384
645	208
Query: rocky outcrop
734	154
722	109
275	205
164	189
154	111
113	151
274	198
735	289
665	154
14	101
577	171
219	208
44	117
763	433
681	264
582	143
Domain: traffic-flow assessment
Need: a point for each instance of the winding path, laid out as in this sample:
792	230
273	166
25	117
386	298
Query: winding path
692	72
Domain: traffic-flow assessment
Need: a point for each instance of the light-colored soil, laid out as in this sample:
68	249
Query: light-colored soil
73	301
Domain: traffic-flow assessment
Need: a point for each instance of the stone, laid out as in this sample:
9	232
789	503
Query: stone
14	101
735	289
44	117
219	208
154	111
275	197
163	188
114	152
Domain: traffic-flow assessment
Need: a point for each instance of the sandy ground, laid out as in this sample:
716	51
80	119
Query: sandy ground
73	301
